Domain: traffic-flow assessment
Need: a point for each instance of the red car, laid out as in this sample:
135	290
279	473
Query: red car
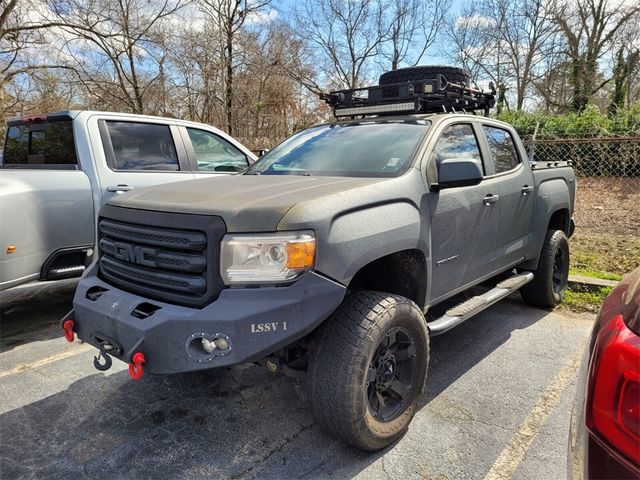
604	441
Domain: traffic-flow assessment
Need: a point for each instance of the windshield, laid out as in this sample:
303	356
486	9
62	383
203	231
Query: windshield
374	149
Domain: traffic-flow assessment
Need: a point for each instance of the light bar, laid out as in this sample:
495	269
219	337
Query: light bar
372	109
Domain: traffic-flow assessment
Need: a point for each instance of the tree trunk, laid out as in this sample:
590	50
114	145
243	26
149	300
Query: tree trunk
229	83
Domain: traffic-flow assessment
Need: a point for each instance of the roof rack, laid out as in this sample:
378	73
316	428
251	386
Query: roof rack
428	95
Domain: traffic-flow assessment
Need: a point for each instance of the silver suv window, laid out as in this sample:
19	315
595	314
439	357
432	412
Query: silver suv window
142	146
40	145
215	154
503	149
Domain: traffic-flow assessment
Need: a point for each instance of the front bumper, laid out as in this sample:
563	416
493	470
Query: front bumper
253	322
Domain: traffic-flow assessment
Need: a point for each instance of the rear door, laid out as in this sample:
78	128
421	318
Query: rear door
139	153
210	154
517	194
46	205
463	219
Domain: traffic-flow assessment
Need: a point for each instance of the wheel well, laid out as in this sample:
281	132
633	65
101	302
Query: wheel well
560	221
401	273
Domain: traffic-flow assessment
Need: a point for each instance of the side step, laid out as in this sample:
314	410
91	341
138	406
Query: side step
467	309
66	272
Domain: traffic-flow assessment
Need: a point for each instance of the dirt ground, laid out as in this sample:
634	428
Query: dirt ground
608	204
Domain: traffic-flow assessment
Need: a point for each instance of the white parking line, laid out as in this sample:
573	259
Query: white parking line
53	358
513	454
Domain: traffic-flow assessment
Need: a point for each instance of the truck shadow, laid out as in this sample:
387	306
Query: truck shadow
237	423
456	351
32	313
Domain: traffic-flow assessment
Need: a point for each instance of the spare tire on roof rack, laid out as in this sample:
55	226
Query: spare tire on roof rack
422	89
451	74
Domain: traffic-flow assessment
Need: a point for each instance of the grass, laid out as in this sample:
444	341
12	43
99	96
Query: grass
584	299
599	255
604	255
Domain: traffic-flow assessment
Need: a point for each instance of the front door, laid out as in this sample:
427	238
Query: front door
463	219
140	154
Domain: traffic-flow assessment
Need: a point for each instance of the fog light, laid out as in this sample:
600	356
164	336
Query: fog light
208	346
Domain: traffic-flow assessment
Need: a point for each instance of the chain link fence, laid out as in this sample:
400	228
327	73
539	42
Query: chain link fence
608	179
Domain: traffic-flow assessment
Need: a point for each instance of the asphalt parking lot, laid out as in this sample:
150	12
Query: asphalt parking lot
496	405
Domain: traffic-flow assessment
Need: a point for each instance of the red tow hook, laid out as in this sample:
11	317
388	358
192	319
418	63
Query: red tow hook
68	330
135	367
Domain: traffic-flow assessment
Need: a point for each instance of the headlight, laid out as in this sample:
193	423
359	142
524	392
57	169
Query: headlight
266	258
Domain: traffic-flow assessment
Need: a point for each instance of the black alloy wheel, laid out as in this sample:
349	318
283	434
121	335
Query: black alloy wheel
392	374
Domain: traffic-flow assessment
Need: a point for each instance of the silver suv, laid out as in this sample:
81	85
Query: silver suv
57	170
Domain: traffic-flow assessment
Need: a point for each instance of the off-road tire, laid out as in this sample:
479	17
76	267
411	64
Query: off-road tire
345	348
452	74
542	291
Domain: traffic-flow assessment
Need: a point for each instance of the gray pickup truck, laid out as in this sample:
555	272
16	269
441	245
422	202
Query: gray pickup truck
57	170
337	255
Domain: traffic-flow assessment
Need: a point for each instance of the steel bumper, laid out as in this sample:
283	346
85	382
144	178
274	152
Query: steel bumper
250	322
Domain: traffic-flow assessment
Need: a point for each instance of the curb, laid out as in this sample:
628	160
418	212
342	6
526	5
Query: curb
591	281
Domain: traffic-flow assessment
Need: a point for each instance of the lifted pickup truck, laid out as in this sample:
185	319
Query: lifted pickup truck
337	255
57	170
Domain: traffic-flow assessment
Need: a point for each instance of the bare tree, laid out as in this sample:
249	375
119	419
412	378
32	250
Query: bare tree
344	36
523	38
590	28
412	27
117	49
229	17
198	74
552	87
505	42
472	45
21	37
629	43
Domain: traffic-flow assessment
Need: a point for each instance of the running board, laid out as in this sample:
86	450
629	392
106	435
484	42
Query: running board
467	309
66	272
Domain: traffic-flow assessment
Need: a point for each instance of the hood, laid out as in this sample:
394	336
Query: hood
249	203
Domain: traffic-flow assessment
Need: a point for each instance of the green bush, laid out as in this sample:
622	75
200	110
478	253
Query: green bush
590	123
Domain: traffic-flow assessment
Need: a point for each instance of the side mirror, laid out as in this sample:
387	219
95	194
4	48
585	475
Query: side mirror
459	172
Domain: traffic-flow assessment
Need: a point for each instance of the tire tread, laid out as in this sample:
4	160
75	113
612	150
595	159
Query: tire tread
336	365
539	291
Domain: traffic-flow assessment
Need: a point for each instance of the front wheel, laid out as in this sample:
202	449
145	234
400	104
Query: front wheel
551	277
369	368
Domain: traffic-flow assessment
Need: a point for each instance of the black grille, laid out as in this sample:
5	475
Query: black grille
159	261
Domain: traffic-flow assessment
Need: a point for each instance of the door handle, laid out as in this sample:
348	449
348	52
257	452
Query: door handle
490	198
527	189
119	188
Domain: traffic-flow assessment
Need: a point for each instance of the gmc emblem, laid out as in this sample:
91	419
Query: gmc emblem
135	254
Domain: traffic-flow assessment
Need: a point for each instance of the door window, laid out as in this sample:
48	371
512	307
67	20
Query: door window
43	145
142	146
215	154
457	141
503	149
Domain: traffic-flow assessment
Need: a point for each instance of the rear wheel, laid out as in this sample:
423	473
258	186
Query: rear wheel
551	277
369	368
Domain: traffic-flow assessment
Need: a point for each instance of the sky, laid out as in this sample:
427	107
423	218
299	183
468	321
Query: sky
284	8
